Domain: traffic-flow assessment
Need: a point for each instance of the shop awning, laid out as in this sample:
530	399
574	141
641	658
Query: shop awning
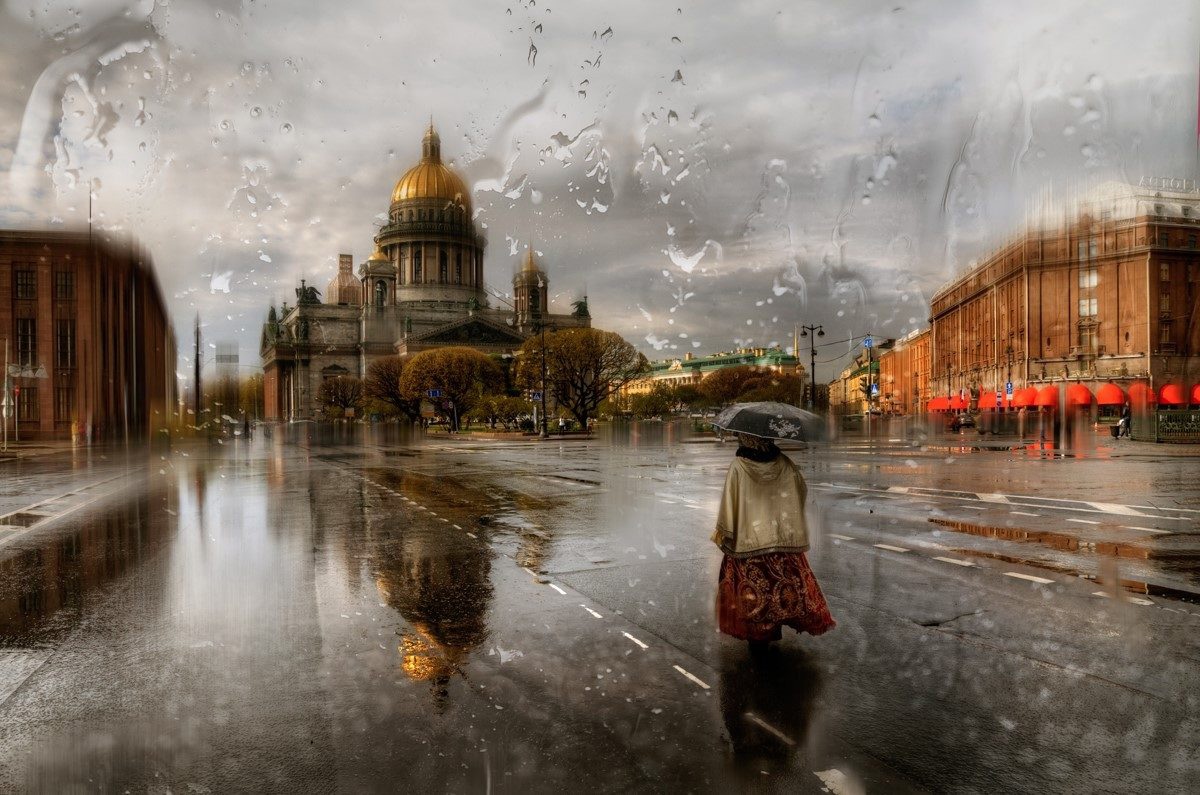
1171	395
1140	394
939	404
1025	397
1196	394
1110	395
1047	396
958	403
1079	395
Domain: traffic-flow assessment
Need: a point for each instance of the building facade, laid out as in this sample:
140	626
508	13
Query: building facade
692	369
422	288
904	386
90	344
1104	294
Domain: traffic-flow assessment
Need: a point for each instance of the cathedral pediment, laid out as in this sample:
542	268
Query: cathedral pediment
473	330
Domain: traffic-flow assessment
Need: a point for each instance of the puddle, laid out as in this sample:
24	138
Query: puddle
23	519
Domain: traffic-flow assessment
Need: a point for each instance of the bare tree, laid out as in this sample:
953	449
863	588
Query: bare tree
382	385
340	396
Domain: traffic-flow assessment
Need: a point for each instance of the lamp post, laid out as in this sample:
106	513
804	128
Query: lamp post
816	331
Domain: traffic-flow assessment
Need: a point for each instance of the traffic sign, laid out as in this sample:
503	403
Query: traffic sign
999	398
874	389
433	393
1008	388
535	396
868	342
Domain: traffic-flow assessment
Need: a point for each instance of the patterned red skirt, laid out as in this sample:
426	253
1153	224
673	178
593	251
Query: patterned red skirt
757	596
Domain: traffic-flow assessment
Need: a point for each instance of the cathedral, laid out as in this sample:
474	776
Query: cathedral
421	288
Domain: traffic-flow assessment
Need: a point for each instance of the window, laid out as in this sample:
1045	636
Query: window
1093	247
1164	332
64	344
1164	303
380	292
64	402
1163	240
1082	251
417	266
27	404
64	285
25	285
1087	339
1164	272
26	342
443	267
1088	278
1087	307
1191	241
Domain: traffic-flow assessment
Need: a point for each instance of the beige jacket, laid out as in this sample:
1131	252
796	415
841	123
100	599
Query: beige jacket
762	509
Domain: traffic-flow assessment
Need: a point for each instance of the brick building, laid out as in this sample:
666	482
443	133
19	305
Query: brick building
90	344
904	375
1104	294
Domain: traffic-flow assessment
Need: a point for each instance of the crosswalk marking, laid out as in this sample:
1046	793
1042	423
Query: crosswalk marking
692	677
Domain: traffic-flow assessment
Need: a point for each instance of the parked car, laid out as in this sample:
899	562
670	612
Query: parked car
962	421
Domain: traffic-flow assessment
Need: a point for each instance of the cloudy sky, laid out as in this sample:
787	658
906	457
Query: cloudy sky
710	174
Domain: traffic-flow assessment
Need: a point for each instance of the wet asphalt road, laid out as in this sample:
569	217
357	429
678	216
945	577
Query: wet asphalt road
329	612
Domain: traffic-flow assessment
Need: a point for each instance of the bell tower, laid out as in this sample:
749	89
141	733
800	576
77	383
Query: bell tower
531	294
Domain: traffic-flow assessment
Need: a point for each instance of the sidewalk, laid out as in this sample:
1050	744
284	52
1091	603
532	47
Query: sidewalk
33	449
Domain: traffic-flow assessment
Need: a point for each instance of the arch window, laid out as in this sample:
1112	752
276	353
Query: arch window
417	266
380	293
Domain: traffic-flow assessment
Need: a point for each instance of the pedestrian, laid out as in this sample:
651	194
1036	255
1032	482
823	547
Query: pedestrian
1125	421
765	581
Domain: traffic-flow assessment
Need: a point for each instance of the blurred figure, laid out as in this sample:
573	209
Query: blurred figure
765	579
1125	421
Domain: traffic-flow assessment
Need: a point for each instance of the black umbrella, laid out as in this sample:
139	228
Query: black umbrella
770	421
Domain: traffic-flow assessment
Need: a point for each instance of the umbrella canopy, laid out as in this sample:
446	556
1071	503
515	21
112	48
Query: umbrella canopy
1171	395
1110	395
1079	395
1025	397
1047	396
770	421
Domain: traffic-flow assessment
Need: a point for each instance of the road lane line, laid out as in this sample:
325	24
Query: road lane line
1030	577
635	640
1023	513
560	590
956	561
593	612
898	489
692	677
975	507
1082	521
1146	529
472	535
443	519
891	548
456	527
836	782
840	537
750	716
1112	507
1001	498
528	571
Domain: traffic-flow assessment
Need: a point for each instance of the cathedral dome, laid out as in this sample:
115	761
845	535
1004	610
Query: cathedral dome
430	179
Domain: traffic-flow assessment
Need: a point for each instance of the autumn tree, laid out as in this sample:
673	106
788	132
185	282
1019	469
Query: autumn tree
583	367
462	375
778	387
382	385
340	394
654	403
726	385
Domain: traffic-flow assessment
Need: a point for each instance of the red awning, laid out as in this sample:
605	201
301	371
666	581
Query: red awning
1196	394
1047	396
1079	395
1025	397
1171	395
957	403
939	404
1110	395
1140	394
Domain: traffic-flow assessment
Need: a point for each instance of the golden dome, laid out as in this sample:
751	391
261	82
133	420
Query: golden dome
430	179
530	264
378	254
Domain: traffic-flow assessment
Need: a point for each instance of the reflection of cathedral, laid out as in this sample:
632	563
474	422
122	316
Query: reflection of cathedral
421	288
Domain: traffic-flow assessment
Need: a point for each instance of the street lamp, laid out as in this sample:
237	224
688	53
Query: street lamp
817	331
542	330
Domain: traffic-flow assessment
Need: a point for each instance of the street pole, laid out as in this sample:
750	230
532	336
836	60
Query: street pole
4	408
812	332
542	328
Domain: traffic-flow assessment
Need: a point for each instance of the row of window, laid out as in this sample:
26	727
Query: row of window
27	347
28	405
456	214
25	285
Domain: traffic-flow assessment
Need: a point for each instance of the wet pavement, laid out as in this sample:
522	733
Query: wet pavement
359	611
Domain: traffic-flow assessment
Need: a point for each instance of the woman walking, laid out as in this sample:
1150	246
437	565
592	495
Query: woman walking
765	580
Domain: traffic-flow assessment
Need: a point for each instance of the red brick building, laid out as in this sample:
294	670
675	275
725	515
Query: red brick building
1105	294
89	338
904	375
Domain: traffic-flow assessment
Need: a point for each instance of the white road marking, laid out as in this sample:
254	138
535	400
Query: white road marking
456	527
992	497
635	640
593	612
840	537
1138	600
1105	594
560	590
528	571
891	548
692	677
1147	529
1030	577
1112	507
837	783
955	561
472	535
898	489
443	519
1082	521
750	716
1023	513
975	507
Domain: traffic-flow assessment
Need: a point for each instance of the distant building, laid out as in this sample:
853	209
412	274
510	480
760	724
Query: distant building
90	344
692	369
422	288
904	375
850	393
1103	293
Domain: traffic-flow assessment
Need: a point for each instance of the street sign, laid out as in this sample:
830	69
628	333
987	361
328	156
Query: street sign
999	398
874	389
433	393
1008	388
868	342
535	396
